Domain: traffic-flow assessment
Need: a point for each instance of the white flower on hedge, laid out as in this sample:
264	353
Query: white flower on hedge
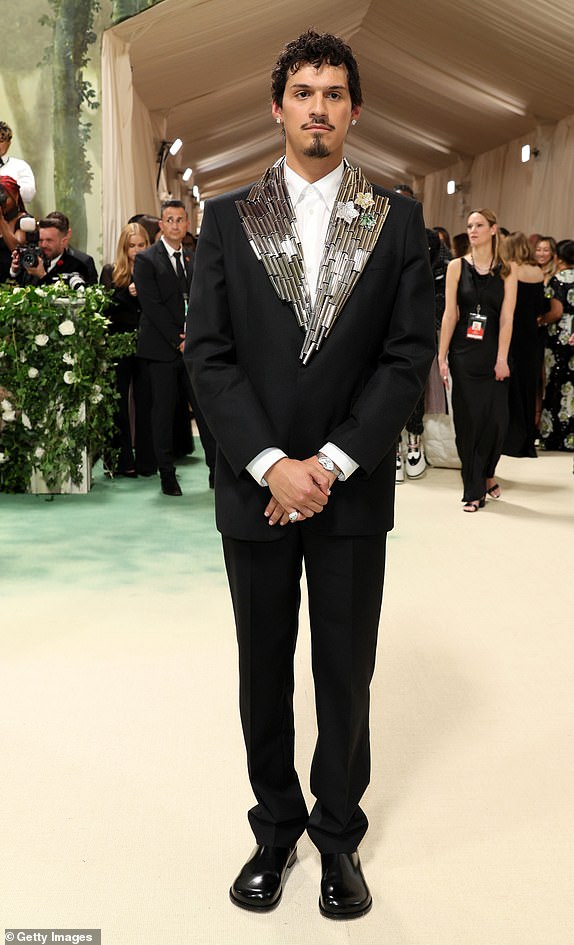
2	457
68	358
41	293
69	377
26	421
6	405
8	414
41	340
96	394
33	372
39	452
23	357
67	327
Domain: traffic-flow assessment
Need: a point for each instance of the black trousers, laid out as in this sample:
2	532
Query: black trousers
169	379
345	584
131	372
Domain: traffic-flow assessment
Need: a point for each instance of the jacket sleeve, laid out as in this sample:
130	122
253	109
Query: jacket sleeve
390	395
232	409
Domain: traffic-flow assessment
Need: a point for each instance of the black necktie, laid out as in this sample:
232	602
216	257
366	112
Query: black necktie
180	273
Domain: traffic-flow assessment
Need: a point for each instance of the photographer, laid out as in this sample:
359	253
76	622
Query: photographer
87	261
11	212
53	259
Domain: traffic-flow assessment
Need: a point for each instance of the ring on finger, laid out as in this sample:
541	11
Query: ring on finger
293	516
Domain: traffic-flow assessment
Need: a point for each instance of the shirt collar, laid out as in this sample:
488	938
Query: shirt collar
55	261
327	186
170	249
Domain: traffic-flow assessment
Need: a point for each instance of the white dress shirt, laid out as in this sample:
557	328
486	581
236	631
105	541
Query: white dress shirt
21	173
313	204
171	251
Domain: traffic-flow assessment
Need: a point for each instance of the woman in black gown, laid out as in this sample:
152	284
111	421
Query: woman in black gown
475	335
531	304
131	373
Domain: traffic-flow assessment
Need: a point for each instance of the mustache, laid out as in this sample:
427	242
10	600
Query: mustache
318	121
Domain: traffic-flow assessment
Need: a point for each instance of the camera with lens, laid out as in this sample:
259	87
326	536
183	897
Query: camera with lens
29	255
74	279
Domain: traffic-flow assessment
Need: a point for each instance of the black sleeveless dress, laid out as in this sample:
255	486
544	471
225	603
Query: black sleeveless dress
479	401
524	370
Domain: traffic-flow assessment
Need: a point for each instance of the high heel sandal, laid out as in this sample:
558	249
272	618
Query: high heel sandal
494	491
474	505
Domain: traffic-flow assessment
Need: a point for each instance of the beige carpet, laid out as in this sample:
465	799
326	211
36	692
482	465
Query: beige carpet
123	785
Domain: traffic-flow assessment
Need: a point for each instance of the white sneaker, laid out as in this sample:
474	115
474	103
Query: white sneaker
399	467
416	463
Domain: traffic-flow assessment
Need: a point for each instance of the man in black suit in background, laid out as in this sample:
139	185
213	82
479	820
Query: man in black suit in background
162	274
310	335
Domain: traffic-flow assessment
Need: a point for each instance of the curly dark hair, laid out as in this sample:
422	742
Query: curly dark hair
316	49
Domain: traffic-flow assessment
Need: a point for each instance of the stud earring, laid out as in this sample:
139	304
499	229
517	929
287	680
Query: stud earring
354	121
277	121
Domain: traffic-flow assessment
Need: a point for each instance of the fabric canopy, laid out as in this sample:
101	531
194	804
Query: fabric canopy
443	81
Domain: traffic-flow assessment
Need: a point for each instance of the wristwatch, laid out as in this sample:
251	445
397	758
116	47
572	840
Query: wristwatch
327	463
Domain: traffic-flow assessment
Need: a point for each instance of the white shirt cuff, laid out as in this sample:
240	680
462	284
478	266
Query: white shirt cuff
262	462
341	459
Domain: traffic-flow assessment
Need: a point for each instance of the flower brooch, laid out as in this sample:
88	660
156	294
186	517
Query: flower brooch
348	211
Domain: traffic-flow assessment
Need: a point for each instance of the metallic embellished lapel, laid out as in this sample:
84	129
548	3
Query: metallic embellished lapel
268	219
356	222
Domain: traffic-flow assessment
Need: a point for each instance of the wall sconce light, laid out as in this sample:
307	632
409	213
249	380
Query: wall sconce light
527	152
187	173
195	192
452	187
165	148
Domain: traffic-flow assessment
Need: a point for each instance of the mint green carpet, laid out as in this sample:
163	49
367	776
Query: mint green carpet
124	532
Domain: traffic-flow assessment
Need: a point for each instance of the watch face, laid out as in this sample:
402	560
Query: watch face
326	463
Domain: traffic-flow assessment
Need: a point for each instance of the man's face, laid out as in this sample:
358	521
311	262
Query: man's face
173	225
5	142
52	242
316	111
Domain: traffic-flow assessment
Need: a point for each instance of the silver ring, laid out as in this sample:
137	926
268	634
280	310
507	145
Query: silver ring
293	516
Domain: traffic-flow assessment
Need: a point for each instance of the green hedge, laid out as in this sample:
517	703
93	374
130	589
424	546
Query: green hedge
57	381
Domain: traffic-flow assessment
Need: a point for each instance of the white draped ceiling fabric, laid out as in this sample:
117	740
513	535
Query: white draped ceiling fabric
452	89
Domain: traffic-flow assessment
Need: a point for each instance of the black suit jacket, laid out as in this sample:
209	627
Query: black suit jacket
162	319
242	351
88	264
66	264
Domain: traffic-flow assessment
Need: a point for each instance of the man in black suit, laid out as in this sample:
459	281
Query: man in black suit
310	335
85	258
55	258
162	274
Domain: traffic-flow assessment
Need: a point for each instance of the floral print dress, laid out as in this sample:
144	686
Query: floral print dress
557	417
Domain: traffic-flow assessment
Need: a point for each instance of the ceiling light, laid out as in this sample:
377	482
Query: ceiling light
175	147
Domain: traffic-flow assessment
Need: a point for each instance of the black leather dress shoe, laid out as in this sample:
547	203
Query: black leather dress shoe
344	892
169	484
259	885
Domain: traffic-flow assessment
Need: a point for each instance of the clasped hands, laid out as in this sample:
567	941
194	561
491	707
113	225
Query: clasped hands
297	485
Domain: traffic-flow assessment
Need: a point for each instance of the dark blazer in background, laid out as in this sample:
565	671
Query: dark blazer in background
163	307
66	264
